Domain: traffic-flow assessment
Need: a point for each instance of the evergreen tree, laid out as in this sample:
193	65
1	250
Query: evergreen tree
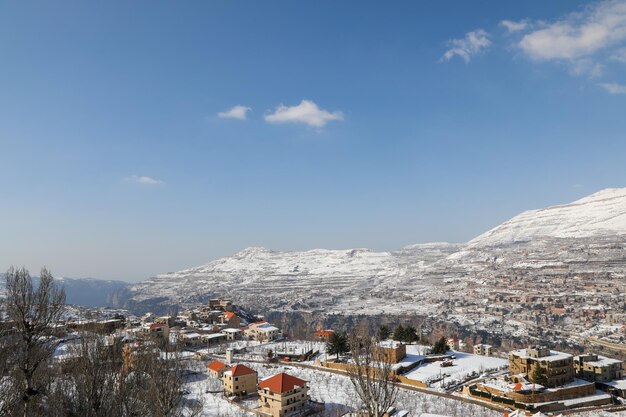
410	334
538	375
440	346
383	332
398	333
337	345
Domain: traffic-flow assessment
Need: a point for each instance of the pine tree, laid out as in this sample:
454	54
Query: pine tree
337	345
538	375
410	334
440	346
398	333
383	332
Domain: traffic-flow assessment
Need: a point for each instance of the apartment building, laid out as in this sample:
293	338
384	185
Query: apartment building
557	367
239	380
283	395
596	368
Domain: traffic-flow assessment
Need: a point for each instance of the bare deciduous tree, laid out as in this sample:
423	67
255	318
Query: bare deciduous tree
33	313
371	374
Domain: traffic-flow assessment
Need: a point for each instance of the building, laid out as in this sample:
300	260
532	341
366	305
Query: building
597	368
230	320
239	380
557	368
262	331
324	335
220	304
157	330
232	334
393	351
191	340
216	369
213	339
283	395
455	344
483	350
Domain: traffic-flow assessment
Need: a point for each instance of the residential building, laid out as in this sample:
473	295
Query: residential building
483	350
283	395
232	334
216	369
239	380
556	367
230	320
220	304
157	330
455	344
262	331
191	340
392	350
213	338
324	335
597	368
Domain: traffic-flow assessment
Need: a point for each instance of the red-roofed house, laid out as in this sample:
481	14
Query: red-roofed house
231	320
216	369
283	395
157	329
239	380
324	335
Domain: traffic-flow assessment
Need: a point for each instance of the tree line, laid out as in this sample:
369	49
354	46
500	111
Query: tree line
98	377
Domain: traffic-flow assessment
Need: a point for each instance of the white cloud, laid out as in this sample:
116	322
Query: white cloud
586	66
236	112
306	112
144	180
473	43
578	35
613	88
512	26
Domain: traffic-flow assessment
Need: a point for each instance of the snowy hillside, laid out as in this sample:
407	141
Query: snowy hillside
303	280
602	213
587	236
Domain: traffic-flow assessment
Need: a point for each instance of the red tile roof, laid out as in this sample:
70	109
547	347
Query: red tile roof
282	383
229	315
324	332
157	325
216	366
240	370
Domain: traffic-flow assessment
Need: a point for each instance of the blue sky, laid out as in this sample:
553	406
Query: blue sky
142	137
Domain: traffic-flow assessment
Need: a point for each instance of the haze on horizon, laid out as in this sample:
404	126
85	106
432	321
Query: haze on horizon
140	138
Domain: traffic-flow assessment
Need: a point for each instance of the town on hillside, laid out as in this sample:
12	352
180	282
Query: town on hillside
241	364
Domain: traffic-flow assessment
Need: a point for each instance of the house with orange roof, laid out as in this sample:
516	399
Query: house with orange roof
216	369
283	395
239	380
324	335
230	320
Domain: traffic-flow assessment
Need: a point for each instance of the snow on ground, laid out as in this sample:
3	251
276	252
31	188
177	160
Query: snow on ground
464	366
335	391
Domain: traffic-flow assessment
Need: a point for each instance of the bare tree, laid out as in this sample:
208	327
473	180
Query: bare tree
371	373
86	383
33	313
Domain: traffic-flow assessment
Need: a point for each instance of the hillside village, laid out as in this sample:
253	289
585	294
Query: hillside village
250	366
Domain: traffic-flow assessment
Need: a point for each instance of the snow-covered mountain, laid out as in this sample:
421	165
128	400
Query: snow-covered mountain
586	235
600	214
